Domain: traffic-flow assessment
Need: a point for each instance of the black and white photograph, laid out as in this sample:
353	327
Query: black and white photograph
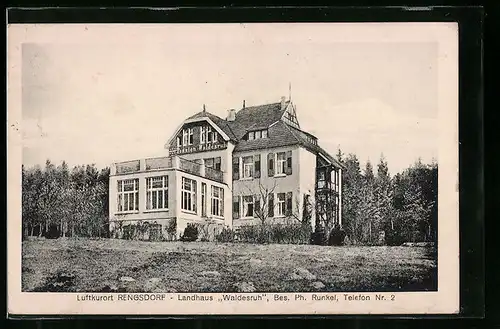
219	164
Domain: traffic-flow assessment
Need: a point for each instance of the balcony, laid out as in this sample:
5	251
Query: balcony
163	163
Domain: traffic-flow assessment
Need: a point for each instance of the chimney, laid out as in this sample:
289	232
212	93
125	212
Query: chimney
243	103
283	102
231	115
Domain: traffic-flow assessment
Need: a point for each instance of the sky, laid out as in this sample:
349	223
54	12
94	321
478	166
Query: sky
94	94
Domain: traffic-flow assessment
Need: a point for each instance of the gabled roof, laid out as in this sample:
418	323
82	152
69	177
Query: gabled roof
221	123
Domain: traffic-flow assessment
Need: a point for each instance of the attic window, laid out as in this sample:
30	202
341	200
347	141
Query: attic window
207	136
257	134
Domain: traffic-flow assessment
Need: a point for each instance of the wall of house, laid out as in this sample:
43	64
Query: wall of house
278	184
307	178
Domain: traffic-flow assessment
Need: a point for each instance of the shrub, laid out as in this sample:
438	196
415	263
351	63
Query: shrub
190	233
53	232
276	233
226	235
171	229
392	238
128	232
155	232
253	234
203	232
337	237
318	237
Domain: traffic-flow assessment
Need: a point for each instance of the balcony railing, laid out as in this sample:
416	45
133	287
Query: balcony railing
190	166
158	163
128	167
172	162
214	174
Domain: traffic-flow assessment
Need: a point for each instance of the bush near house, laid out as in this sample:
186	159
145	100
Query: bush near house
274	233
190	233
225	236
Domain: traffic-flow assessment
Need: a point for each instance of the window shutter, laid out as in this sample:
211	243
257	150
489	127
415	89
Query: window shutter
256	159
236	207
236	168
289	203
270	164
195	201
256	207
222	203
271	205
288	169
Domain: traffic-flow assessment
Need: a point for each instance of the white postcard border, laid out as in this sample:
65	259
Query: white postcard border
445	300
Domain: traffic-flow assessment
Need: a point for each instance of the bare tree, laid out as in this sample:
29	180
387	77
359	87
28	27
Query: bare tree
263	201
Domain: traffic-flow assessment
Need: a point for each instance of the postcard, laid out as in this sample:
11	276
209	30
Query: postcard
233	169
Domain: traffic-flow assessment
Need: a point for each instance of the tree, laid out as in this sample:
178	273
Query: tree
352	181
383	196
69	203
340	155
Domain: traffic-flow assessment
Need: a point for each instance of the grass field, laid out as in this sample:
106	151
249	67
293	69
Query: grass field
83	265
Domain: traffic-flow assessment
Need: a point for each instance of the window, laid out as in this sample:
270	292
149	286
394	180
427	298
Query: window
280	163
207	135
187	136
217	201
280	206
157	192
209	162
257	134
128	195
248	167
188	195
321	179
214	163
248	206
203	136
203	199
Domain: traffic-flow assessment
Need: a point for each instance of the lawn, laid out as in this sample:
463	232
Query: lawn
108	265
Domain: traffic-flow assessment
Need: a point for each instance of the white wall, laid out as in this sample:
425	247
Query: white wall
302	180
307	167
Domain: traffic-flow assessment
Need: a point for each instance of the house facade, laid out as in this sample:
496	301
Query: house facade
256	165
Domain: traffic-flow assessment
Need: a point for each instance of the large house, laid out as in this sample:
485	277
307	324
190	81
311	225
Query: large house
255	165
